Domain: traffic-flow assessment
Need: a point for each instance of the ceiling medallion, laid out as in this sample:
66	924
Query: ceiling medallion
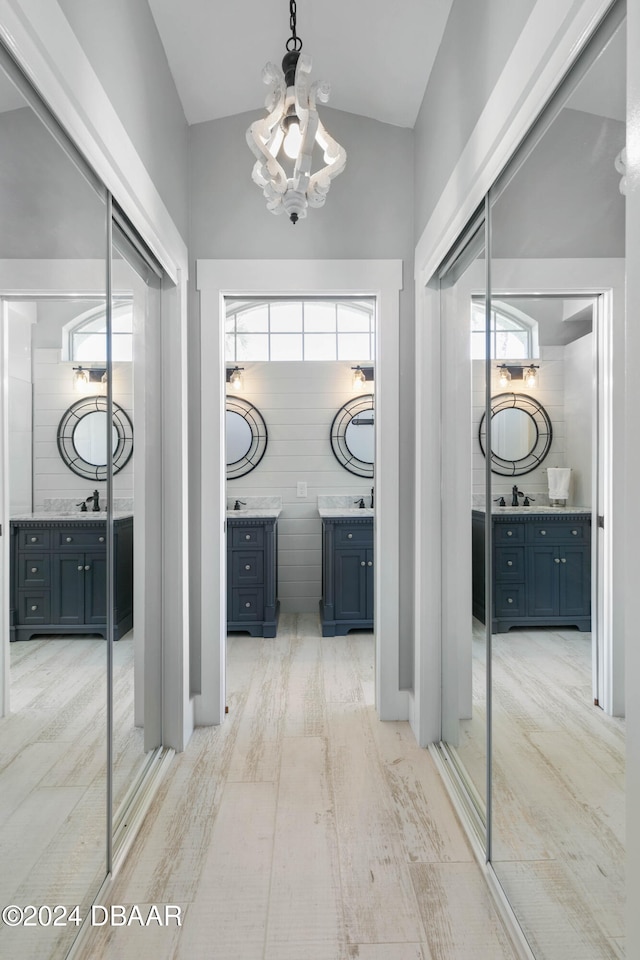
283	141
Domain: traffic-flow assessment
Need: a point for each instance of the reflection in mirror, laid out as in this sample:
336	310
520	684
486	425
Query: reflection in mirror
75	438
246	438
90	438
353	435
521	434
558	757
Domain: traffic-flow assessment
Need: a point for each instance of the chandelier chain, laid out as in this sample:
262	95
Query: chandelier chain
294	42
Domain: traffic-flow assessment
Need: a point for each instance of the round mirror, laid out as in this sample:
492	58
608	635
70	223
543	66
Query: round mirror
82	438
90	438
246	437
353	435
521	434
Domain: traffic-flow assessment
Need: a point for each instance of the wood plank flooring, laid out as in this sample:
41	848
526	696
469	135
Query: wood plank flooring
53	779
303	828
558	793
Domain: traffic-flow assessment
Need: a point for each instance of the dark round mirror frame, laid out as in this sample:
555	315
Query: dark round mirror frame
544	434
66	428
259	437
341	421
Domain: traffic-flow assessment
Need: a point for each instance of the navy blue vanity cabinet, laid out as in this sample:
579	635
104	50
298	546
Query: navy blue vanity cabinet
541	570
59	577
347	575
252	576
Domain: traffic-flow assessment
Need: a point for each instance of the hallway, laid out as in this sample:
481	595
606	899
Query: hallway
304	827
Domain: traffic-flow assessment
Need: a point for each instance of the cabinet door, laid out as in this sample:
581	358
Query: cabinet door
95	588
68	588
543	581
369	586
575	581
351	583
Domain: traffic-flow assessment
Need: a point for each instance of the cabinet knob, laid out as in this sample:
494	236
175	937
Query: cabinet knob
509	563
34	606
564	560
34	569
575	533
247	536
247	566
80	567
556	560
69	539
349	536
100	539
509	533
247	604
87	567
362	563
34	539
509	600
370	563
543	533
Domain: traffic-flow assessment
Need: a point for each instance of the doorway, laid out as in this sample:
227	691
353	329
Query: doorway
215	280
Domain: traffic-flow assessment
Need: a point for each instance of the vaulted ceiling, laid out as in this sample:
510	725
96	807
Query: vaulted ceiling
376	55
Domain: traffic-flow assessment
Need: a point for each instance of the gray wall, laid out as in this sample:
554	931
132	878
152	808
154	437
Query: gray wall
368	215
121	41
477	42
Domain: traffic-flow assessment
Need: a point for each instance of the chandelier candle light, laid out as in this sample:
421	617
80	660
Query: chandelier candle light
284	140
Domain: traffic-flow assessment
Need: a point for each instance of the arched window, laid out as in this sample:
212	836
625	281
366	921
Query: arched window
309	329
85	337
514	334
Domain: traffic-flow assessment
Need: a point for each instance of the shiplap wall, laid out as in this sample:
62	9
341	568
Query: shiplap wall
53	393
298	401
563	389
21	316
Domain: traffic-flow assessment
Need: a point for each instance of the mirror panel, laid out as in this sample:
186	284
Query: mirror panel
352	435
246	437
83	440
521	434
557	758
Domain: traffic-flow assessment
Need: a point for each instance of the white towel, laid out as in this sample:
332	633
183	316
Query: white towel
559	478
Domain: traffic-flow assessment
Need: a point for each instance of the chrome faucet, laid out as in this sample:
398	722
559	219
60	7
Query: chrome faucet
95	496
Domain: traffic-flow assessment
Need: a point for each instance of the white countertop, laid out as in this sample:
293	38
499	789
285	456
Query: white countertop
516	511
44	515
259	513
351	512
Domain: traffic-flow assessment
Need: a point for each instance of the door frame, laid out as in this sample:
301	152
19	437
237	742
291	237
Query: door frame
215	280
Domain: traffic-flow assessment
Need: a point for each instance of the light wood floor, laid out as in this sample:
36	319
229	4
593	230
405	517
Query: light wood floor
53	779
303	828
558	792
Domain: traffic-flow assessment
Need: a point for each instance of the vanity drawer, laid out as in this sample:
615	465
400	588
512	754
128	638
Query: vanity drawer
34	606
33	539
574	532
247	536
508	532
247	567
509	563
511	600
247	604
358	533
34	570
74	538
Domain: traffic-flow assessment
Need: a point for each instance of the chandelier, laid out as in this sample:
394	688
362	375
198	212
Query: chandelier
283	141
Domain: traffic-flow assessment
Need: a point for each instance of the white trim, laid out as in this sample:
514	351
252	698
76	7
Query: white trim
5	540
216	279
551	40
40	38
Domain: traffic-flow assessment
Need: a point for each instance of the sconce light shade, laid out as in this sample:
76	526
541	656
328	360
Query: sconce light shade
531	376
504	377
234	377
360	377
89	379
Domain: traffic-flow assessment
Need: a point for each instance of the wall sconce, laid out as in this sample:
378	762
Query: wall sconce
234	377
89	379
507	373
360	377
